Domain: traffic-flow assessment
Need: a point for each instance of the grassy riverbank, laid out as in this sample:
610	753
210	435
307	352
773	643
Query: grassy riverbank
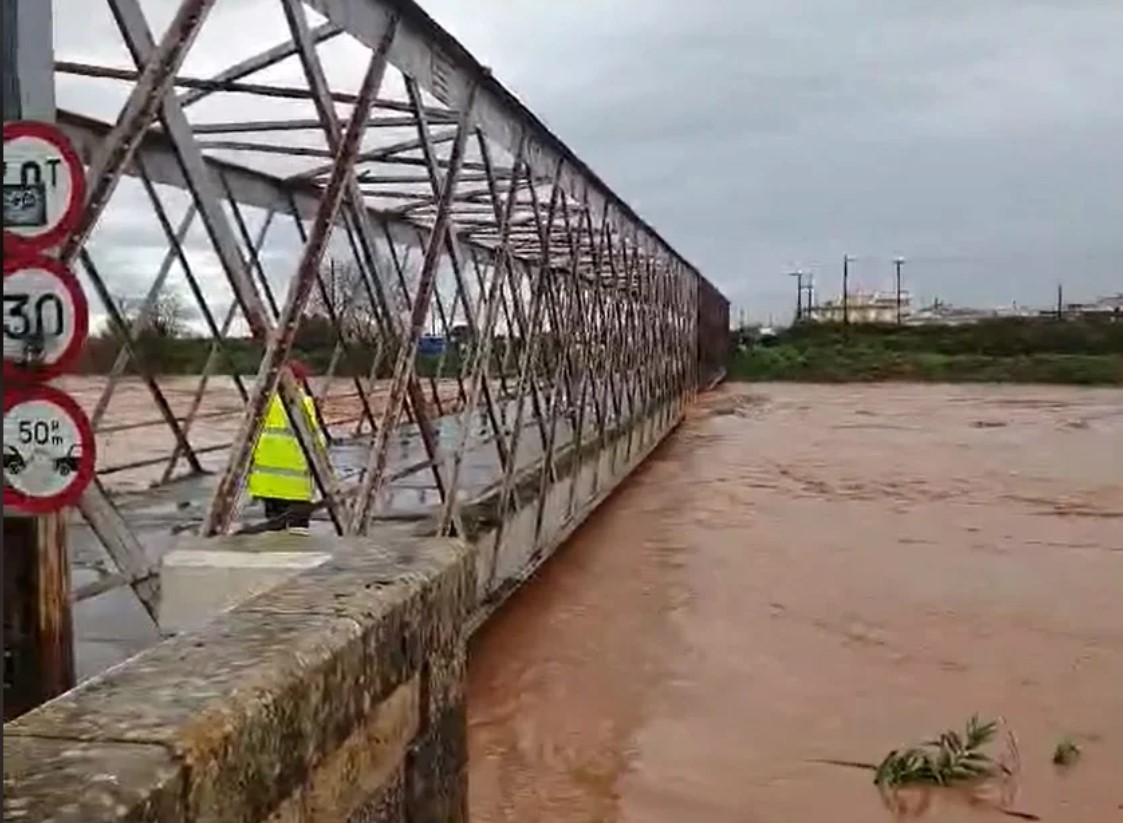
1001	351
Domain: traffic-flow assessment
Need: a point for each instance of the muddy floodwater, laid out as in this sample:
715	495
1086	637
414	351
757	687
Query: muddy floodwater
804	573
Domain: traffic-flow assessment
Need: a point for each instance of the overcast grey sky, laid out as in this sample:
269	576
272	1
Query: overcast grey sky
984	138
981	139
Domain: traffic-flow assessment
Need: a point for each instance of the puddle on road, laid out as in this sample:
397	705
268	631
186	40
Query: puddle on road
776	587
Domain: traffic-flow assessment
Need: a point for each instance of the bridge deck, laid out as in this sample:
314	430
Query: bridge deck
113	625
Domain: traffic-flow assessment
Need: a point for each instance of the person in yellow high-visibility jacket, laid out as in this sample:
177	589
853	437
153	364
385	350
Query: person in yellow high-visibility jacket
280	476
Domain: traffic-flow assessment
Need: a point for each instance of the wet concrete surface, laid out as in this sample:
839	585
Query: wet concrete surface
806	573
113	626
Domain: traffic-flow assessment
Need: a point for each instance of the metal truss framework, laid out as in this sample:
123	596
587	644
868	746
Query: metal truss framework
572	315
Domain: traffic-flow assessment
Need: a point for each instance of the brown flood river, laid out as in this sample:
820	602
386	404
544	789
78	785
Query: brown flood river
810	572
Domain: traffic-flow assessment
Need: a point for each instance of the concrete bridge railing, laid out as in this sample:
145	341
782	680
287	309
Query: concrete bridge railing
338	696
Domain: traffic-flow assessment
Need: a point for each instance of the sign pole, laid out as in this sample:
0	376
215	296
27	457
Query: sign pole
38	628
38	632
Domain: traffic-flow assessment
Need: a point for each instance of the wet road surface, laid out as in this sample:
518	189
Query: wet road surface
134	444
821	572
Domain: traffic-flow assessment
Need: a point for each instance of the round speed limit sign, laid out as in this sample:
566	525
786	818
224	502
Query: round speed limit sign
46	318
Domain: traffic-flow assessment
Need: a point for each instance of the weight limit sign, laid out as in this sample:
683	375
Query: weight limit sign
49	450
44	187
46	318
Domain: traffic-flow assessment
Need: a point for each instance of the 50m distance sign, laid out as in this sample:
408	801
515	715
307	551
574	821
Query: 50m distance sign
49	449
46	318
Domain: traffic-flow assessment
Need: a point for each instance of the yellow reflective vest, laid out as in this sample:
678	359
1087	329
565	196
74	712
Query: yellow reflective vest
279	469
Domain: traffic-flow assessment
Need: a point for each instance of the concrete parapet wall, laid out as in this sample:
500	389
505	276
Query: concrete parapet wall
337	696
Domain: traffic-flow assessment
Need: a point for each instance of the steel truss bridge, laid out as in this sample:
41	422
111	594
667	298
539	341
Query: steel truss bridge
387	150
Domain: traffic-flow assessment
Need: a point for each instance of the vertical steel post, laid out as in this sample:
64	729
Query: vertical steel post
38	630
798	275
897	266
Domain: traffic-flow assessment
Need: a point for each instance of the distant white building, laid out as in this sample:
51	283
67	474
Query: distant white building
881	307
862	307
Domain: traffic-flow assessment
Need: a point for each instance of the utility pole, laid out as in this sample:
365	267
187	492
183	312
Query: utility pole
846	290
810	310
897	263
1060	302
798	275
38	633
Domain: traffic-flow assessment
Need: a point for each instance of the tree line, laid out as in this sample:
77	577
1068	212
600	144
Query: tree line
1018	350
161	336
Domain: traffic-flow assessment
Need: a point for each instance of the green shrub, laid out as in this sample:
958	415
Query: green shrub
837	365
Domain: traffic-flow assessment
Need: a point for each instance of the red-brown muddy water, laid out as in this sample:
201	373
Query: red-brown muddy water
820	572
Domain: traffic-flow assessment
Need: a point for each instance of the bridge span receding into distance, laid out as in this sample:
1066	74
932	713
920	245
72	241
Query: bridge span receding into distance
498	340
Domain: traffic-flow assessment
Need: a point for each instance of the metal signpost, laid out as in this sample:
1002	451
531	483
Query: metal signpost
49	451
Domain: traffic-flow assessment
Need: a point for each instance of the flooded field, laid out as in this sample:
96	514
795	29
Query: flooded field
821	573
135	442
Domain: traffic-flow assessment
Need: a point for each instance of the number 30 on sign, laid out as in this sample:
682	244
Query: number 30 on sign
46	318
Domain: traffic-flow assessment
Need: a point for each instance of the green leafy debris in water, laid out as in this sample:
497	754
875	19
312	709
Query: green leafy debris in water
954	761
948	759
